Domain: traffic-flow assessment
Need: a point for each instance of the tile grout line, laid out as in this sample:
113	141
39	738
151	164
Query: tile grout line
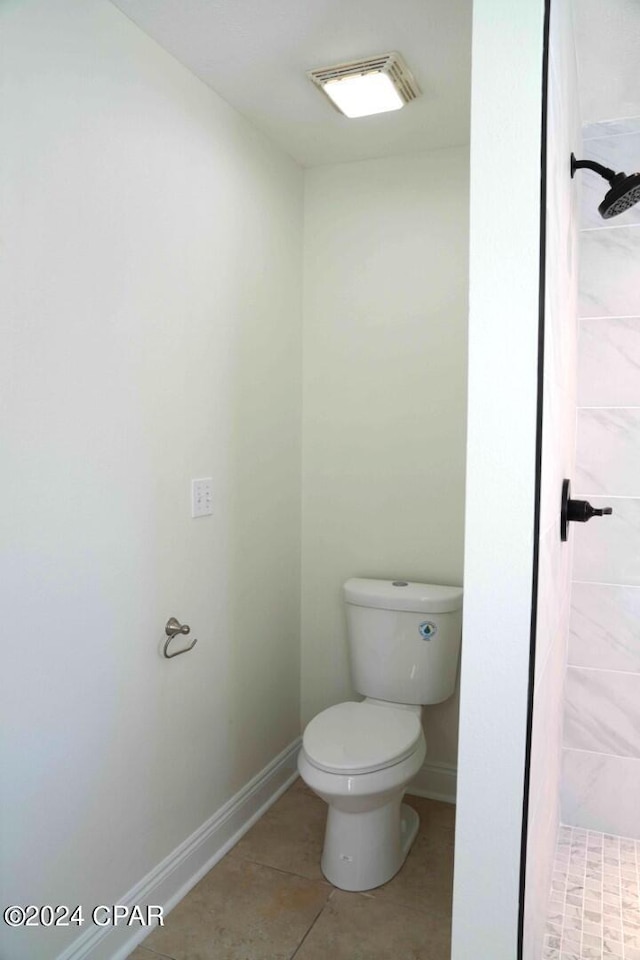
624	949
568	842
287	873
312	925
612	226
610	316
607	583
566	915
590	860
620	836
600	753
612	136
619	916
573	841
636	852
581	666
602	896
153	953
584	890
618	876
637	859
609	496
564	897
365	894
623	894
589	869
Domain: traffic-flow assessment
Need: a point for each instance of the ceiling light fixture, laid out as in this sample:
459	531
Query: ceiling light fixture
364	87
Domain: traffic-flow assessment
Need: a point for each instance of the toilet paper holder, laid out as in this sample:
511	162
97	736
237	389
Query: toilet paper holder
174	628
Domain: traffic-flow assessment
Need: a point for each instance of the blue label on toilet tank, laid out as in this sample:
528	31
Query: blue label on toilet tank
428	630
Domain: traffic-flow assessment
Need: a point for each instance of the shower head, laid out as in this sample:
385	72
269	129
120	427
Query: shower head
624	192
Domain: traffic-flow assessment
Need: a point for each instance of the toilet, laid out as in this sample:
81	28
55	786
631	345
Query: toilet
404	644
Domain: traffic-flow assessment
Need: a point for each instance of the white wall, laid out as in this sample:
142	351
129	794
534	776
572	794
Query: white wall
151	305
385	303
501	469
558	459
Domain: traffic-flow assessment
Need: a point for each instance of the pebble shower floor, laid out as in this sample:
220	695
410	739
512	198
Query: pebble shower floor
594	906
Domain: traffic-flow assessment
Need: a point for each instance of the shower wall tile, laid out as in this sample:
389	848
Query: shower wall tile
610	128
608	452
546	741
602	712
562	60
610	272
600	792
620	153
552	463
561	285
554	569
607	549
561	333
605	627
609	362
542	832
558	452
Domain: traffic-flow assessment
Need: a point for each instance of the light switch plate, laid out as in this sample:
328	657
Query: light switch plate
202	497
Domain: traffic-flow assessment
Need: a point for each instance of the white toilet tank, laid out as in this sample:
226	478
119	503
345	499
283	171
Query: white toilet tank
404	639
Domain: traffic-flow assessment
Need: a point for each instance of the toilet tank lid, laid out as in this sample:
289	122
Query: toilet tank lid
402	595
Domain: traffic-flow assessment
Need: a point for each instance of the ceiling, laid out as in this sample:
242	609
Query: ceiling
607	44
255	54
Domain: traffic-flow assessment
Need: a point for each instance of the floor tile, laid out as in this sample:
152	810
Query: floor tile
141	953
356	927
267	899
603	925
290	835
241	911
425	881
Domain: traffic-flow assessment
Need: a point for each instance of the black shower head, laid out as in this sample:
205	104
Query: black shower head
624	192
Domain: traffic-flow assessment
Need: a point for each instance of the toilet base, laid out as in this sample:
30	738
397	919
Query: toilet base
364	850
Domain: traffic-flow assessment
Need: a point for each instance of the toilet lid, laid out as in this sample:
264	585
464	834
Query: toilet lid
360	737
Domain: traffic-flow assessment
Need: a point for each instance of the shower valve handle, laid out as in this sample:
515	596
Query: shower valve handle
582	511
577	511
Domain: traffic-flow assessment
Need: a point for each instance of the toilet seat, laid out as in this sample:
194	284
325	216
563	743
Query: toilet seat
357	738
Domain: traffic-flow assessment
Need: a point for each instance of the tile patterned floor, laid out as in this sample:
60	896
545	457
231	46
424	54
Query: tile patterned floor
268	900
594	909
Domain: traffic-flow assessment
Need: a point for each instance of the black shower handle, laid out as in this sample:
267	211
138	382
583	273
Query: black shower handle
581	511
577	511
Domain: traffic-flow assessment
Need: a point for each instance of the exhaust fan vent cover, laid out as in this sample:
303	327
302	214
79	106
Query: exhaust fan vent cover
390	65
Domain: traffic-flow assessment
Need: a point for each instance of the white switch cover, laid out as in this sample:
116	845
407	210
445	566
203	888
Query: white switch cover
202	497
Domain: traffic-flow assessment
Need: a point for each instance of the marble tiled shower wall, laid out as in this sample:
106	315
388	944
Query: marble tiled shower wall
601	749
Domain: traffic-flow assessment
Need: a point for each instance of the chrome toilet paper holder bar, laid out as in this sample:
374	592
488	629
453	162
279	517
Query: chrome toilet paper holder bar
174	628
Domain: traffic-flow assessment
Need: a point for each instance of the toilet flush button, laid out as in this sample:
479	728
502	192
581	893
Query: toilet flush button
400	583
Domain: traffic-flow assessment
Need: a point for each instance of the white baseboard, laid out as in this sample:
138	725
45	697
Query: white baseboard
171	879
436	781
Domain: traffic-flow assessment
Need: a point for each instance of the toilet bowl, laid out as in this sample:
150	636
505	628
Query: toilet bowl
359	758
